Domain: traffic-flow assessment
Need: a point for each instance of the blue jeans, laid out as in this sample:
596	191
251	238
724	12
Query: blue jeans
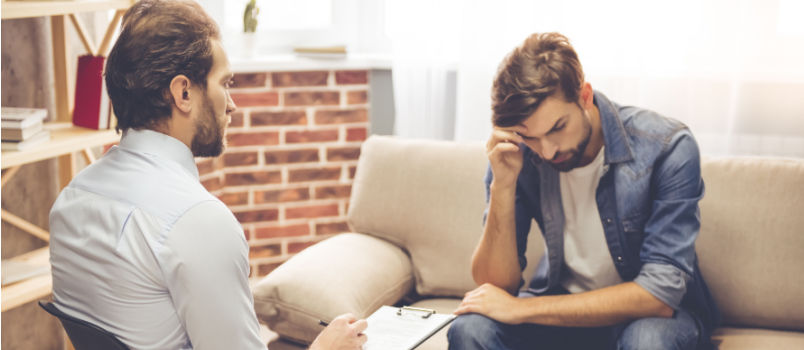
474	331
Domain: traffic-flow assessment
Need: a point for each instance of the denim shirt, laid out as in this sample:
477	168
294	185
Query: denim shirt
648	204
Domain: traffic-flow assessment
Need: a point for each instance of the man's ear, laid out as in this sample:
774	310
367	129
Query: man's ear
587	96
180	92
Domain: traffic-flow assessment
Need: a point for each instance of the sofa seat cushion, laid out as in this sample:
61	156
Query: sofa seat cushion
348	273
754	339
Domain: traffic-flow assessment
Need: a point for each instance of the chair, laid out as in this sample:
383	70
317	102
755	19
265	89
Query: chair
84	335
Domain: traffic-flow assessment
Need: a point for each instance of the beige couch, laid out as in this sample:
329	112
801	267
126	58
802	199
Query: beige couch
416	212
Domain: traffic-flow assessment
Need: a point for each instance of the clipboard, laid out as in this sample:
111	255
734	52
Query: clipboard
402	328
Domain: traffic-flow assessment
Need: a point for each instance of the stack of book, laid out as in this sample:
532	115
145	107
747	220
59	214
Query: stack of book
22	128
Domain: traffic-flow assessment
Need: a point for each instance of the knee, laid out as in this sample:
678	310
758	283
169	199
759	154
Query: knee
473	331
657	334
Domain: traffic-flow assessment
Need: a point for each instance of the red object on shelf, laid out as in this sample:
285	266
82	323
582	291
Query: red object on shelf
92	106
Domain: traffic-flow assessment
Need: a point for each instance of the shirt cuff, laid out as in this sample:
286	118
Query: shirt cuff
666	282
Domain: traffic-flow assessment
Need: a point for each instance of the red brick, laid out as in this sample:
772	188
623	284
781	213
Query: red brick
234	198
253	178
313	78
312	98
282	231
343	77
313	211
343	153
264	269
212	184
255	99
247	233
240	158
356	134
264	251
252	139
317	174
311	136
296	247
205	166
249	80
293	156
257	215
331	228
237	120
341	116
352	171
357	97
284	195
337	191
278	118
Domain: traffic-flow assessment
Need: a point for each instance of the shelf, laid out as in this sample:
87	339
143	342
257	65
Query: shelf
31	289
64	139
25	9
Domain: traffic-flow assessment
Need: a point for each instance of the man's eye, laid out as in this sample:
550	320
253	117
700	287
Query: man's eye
229	84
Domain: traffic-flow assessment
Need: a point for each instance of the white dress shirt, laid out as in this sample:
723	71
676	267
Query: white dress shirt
586	253
141	249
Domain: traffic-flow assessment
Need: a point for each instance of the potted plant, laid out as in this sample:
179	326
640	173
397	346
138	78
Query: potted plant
250	28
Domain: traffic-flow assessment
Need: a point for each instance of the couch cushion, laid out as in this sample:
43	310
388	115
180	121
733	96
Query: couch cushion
320	283
754	339
751	245
428	197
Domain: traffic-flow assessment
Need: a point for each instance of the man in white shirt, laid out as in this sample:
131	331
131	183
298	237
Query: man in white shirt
138	246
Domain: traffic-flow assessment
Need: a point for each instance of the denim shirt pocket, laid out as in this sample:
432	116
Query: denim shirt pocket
634	232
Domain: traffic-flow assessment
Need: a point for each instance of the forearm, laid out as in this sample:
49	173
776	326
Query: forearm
495	260
597	308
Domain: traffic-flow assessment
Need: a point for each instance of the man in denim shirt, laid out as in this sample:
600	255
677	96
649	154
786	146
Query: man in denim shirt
614	190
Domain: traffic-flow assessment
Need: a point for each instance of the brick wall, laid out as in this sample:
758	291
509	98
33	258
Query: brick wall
292	151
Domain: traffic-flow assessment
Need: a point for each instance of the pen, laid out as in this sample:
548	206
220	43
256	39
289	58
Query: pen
323	323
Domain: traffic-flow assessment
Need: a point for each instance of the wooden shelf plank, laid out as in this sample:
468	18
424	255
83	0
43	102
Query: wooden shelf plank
64	139
24	9
35	288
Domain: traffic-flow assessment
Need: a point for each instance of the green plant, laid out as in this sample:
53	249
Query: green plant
250	17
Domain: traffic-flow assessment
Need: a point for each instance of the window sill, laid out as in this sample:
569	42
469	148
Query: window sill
292	62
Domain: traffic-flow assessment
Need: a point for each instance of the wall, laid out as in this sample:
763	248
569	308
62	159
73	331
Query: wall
292	153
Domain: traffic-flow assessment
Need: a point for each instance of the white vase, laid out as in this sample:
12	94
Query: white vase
248	45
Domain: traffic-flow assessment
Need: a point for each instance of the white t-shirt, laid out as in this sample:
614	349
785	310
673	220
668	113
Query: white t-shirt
586	254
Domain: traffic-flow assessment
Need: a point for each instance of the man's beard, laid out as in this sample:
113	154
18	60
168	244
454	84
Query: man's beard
208	139
577	153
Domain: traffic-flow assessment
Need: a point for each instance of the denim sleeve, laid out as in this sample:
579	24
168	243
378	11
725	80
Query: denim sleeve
668	249
522	219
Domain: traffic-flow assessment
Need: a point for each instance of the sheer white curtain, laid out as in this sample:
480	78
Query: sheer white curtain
731	70
424	40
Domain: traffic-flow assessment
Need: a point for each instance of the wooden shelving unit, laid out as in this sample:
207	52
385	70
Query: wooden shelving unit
66	139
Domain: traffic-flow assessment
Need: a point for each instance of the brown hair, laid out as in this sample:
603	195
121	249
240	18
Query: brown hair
544	64
160	39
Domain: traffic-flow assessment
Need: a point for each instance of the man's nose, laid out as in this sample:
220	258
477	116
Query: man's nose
230	105
548	149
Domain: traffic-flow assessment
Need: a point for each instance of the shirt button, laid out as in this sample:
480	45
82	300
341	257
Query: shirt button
608	221
619	258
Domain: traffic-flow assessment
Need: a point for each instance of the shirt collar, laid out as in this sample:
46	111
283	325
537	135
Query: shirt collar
161	145
614	136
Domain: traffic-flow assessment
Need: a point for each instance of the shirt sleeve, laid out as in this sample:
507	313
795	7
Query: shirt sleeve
205	261
668	249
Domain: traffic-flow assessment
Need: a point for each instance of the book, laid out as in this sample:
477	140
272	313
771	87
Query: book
321	52
21	118
92	106
16	134
405	328
35	140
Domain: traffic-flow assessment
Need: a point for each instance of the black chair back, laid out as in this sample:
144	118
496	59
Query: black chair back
84	335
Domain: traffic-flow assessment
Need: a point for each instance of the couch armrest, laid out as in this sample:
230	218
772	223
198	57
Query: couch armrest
350	272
